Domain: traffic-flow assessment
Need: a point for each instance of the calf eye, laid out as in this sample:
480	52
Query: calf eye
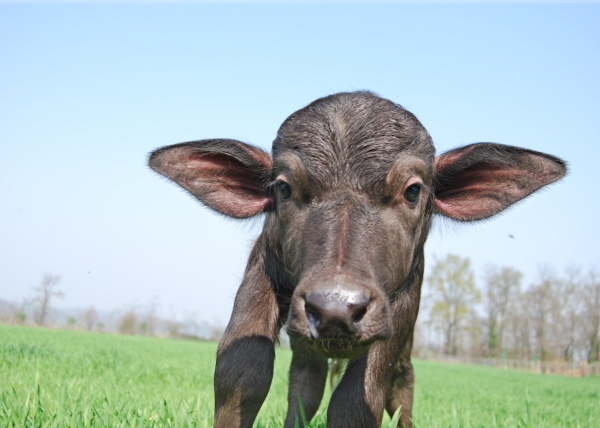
411	194
285	191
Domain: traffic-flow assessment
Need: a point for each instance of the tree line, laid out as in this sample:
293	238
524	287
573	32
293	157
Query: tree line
555	318
143	320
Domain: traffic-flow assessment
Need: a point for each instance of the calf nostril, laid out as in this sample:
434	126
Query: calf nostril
312	314
314	319
358	316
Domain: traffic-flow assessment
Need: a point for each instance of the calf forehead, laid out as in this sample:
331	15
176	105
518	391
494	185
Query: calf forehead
352	137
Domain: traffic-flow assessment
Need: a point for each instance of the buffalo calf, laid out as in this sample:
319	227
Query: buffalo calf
348	193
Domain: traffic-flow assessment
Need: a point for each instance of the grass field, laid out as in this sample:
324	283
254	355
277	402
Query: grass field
54	378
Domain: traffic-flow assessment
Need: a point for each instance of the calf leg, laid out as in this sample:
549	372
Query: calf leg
380	378
246	352
400	394
359	399
308	374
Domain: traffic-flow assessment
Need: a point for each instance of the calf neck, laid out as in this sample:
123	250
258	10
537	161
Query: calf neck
348	194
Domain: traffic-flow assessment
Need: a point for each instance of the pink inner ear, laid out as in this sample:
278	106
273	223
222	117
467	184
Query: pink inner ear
227	172
481	191
225	184
467	209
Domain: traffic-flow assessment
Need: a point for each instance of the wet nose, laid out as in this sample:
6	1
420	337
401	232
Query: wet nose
335	313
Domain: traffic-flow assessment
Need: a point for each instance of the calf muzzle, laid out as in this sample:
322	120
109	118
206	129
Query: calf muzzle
339	318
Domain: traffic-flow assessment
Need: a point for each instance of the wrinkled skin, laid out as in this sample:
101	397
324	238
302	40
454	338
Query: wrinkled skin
349	193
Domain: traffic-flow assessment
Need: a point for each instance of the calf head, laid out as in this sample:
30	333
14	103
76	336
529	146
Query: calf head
349	193
352	187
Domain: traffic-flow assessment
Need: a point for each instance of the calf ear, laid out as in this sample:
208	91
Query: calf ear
226	175
477	181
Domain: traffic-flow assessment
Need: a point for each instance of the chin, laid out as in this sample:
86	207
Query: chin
338	348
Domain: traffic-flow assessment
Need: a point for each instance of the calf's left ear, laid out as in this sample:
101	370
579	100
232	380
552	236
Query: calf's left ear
475	182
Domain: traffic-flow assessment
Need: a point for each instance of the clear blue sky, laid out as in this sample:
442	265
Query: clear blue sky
87	91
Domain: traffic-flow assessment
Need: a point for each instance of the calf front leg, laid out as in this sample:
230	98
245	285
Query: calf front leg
308	373
379	378
246	352
401	392
360	397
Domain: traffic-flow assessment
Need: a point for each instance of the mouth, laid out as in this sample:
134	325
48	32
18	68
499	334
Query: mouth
337	348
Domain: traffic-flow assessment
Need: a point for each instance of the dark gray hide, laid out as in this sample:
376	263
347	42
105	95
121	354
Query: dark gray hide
349	193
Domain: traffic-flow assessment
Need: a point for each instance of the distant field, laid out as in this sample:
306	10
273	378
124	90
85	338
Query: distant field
53	378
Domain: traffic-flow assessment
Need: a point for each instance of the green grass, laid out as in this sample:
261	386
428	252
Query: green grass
449	395
53	378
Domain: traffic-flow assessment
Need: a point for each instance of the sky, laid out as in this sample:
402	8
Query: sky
87	91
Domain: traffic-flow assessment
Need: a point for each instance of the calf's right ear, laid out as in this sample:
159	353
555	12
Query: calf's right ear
228	176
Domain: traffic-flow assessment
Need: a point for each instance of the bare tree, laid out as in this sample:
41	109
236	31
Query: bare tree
44	293
545	301
474	333
591	316
152	319
90	318
173	327
538	311
502	288
128	322
567	311
454	292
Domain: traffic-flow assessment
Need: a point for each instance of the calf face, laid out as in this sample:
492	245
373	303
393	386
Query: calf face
349	193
